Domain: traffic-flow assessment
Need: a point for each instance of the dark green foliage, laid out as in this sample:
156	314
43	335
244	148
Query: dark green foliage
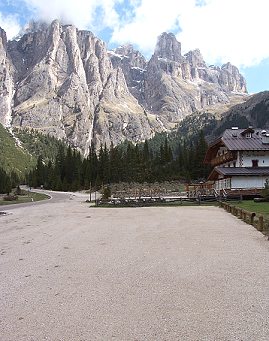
37	143
12	157
260	113
106	193
233	120
7	181
18	190
126	162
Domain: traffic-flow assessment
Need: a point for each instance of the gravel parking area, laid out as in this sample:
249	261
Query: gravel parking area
70	272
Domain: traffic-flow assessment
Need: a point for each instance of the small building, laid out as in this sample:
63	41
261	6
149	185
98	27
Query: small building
240	158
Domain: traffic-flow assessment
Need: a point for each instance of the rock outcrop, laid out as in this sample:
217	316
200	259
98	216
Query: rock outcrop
172	85
66	86
64	82
6	82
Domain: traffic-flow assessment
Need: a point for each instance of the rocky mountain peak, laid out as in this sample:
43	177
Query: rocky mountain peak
195	58
3	37
230	68
232	79
130	56
63	81
125	50
168	47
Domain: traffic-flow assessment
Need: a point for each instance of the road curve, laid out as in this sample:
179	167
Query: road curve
54	197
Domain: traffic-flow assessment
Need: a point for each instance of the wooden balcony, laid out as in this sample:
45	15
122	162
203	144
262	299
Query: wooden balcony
229	156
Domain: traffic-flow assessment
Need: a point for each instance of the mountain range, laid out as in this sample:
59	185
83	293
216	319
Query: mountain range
65	82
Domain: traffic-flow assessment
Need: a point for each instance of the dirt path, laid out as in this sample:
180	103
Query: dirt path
70	272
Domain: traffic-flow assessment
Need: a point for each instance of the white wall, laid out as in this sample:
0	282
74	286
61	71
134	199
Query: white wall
248	181
247	158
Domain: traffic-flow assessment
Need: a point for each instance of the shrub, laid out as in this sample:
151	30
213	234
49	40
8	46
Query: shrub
106	193
10	197
18	190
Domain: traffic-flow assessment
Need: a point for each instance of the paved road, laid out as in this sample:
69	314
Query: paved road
70	272
54	197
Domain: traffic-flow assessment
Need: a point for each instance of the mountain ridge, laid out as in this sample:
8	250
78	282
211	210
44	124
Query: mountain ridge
64	82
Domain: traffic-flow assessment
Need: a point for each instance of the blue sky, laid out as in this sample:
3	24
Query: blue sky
224	30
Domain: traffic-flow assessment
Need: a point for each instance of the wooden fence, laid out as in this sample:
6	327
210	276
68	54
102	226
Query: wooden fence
252	218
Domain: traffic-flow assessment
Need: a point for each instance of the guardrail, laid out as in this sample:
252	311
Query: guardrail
251	218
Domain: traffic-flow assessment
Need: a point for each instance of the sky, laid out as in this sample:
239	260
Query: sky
233	31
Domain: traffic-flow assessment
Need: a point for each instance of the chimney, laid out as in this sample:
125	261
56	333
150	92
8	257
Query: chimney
265	138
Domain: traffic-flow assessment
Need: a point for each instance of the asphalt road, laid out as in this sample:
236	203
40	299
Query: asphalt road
70	272
54	197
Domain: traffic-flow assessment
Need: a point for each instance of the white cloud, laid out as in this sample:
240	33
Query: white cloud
10	24
228	30
85	14
224	30
235	31
149	21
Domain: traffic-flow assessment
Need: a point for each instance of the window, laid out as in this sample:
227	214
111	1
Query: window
255	163
248	135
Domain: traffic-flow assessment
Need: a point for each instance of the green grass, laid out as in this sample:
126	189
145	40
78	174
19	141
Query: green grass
12	157
39	144
25	198
22	159
257	207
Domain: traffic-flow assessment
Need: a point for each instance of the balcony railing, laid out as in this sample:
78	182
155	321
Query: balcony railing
229	156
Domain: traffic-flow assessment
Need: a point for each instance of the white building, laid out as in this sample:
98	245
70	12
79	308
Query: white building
240	159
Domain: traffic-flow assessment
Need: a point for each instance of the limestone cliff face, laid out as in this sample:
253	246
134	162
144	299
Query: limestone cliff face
6	82
66	85
64	82
133	65
172	85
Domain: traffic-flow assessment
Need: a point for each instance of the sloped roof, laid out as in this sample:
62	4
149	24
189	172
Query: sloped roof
237	171
235	140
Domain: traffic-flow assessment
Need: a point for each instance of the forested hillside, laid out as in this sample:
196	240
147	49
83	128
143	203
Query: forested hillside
12	156
37	144
125	162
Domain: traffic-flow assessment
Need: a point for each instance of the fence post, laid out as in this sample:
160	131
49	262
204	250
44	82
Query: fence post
252	218
260	225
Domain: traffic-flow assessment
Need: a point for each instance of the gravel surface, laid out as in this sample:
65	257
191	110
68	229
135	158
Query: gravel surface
70	272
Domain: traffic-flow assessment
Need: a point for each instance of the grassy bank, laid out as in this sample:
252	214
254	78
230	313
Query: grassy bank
257	207
25	198
12	157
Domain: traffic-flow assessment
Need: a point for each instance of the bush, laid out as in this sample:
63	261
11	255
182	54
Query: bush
10	197
18	190
106	193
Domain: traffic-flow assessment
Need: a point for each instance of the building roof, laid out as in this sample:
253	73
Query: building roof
237	171
237	140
